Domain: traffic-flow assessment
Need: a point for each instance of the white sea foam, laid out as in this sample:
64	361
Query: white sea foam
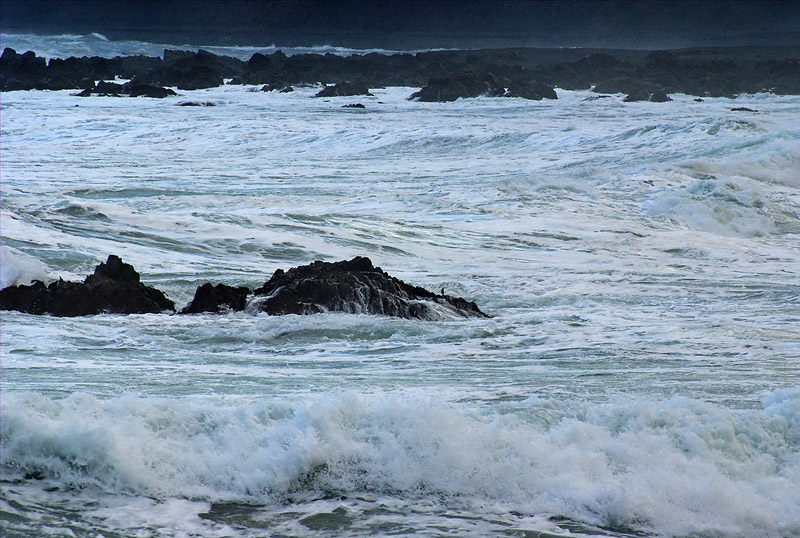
720	206
619	464
777	162
640	264
16	267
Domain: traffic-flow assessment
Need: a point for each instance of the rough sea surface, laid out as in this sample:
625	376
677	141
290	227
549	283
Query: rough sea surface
640	375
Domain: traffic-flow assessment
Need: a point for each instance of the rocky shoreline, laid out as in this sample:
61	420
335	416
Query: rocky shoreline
442	75
353	286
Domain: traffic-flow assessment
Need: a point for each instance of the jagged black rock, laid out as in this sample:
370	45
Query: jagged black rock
352	286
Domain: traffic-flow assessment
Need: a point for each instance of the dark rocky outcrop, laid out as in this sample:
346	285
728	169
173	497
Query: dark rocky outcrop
260	62
28	72
531	90
355	286
644	95
660	97
619	84
452	87
636	96
22	71
277	87
185	61
446	74
254	77
113	288
344	89
132	66
143	89
778	76
354	105
210	298
713	72
199	77
81	69
352	286
105	88
133	88
108	88
188	70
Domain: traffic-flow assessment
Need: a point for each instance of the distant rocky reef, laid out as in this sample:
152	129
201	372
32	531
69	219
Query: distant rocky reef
354	286
443	75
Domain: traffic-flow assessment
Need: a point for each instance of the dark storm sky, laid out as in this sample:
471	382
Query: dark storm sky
417	24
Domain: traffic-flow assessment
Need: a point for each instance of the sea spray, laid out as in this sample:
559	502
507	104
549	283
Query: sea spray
619	464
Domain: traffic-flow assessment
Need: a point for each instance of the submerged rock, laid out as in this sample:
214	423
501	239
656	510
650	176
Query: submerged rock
327	521
210	298
114	288
358	287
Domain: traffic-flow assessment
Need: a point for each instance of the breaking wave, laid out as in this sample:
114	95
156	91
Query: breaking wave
625	464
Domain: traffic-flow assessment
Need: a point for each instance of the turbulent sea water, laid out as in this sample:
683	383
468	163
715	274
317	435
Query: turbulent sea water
640	375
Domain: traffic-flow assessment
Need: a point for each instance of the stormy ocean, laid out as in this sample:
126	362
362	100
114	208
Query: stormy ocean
639	376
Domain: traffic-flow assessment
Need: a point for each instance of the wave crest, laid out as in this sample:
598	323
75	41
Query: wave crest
624	463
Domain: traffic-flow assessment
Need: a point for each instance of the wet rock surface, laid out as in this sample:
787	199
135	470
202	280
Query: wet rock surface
352	286
134	88
659	97
358	287
277	87
450	88
447	74
344	89
149	90
533	90
644	95
113	288
211	298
